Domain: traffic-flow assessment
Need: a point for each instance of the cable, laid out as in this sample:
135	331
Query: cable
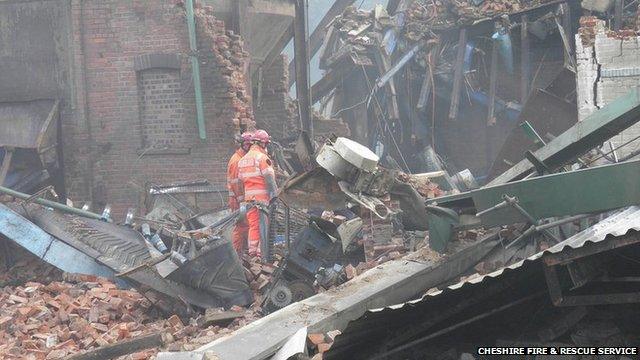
351	107
386	123
611	151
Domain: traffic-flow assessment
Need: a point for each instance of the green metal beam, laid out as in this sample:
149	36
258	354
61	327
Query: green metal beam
195	68
584	191
580	138
532	133
49	203
577	192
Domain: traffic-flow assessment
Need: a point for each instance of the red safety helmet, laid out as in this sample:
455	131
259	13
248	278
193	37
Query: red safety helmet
261	136
246	138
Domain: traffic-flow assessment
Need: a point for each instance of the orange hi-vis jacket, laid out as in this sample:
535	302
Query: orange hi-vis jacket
255	170
234	184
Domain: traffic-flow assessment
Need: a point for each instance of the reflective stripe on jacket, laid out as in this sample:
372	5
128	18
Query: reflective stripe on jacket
253	168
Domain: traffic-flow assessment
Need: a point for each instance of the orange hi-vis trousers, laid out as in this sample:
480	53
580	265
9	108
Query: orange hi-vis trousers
258	224
239	236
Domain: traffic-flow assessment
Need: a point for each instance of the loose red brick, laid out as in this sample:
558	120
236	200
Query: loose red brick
324	347
316	339
175	322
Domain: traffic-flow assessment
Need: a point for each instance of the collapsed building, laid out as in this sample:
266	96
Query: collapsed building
466	163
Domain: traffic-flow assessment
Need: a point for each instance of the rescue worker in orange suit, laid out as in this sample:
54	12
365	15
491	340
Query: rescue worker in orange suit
236	193
258	178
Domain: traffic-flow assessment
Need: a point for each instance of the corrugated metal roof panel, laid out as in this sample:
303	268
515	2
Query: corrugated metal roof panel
617	224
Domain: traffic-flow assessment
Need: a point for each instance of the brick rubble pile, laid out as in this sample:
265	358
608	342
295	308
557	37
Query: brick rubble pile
423	186
76	313
426	16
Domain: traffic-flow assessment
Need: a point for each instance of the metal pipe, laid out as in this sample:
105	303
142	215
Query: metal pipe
513	201
493	208
538	228
195	68
553	224
90	172
51	204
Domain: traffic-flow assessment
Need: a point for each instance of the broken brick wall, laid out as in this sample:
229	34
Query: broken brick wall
138	125
274	109
608	68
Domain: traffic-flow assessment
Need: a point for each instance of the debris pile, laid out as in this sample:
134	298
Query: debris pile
423	185
473	10
25	268
80	313
354	38
259	275
425	18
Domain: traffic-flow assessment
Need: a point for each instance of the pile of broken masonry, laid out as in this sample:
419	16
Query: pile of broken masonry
53	315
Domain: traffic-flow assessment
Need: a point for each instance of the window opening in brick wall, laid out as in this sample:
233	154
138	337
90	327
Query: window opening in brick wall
162	117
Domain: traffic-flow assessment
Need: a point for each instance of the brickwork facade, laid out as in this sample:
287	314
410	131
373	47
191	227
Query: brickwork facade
162	120
608	68
134	122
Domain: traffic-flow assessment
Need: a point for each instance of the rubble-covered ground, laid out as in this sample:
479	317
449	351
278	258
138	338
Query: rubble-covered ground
47	314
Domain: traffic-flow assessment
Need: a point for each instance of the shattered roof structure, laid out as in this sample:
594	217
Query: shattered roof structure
617	230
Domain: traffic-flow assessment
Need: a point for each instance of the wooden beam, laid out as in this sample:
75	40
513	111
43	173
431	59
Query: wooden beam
329	81
123	348
566	42
259	84
458	75
303	79
617	17
383	63
427	83
525	59
328	44
276	50
240	19
567	23
318	35
218	318
6	163
493	83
